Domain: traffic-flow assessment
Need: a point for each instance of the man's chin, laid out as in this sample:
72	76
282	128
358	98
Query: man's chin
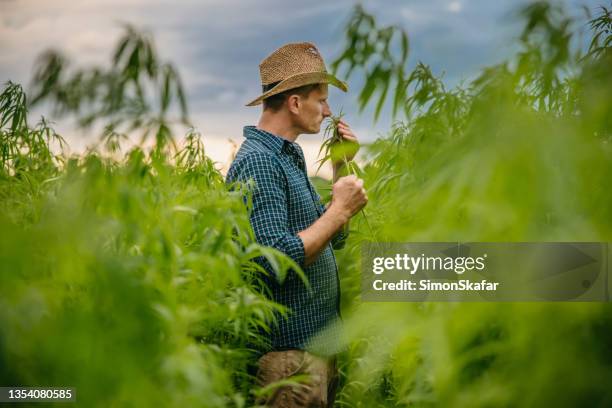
313	131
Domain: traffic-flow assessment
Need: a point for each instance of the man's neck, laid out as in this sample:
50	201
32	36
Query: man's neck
277	125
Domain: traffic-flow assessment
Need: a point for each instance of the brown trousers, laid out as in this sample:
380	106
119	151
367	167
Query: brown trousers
318	379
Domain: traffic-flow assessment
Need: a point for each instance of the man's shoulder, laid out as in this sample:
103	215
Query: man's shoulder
253	149
246	156
252	157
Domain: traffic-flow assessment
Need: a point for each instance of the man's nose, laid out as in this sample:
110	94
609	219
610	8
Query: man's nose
326	111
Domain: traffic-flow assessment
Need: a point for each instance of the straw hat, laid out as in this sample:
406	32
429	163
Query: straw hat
292	66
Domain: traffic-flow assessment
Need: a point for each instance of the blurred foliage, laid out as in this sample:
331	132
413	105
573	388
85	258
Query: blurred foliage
372	49
520	153
135	93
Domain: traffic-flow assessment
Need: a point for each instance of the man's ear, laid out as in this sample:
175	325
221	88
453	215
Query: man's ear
294	104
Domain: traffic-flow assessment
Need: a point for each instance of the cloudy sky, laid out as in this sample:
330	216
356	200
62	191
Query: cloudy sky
218	44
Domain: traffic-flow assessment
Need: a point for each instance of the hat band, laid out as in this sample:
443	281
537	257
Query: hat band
266	88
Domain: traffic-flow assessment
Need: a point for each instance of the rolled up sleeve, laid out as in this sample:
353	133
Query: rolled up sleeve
269	217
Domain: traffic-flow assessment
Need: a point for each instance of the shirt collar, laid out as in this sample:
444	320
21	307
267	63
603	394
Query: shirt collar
271	141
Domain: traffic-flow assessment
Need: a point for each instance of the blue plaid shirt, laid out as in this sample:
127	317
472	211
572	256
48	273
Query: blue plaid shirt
285	203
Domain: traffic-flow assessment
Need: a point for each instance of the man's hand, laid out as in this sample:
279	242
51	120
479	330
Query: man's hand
344	150
347	134
348	196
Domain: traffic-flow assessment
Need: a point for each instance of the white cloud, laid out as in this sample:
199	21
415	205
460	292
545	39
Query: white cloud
455	6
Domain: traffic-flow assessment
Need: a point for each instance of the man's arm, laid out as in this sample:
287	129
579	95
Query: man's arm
339	239
348	197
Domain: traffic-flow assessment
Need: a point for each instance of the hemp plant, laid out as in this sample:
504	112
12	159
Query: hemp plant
336	149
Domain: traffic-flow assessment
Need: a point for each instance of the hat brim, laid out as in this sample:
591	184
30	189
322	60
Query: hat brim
298	80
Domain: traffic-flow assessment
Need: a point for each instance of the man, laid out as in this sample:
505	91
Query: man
287	214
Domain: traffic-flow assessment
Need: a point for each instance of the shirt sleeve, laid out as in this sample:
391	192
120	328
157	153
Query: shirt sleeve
269	217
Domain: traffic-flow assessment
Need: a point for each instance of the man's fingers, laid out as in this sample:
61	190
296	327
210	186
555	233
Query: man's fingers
347	133
349	178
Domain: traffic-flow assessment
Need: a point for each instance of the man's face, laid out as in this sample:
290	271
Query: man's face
313	109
